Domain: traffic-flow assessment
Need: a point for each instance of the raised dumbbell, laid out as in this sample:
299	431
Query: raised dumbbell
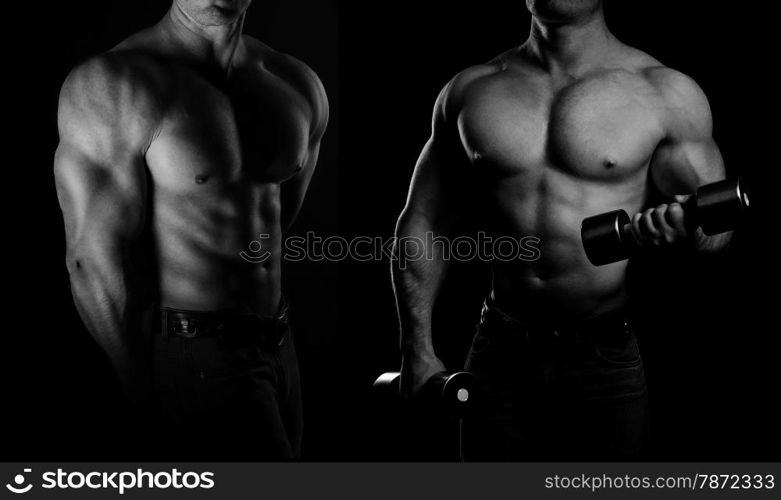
715	208
454	393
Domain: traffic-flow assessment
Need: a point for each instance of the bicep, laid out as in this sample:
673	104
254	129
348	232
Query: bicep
100	172
681	166
103	202
687	157
439	190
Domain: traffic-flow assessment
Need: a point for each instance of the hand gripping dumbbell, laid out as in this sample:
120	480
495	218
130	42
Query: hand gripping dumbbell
453	393
715	208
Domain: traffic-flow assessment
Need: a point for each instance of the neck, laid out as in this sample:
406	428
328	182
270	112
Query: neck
213	47
569	48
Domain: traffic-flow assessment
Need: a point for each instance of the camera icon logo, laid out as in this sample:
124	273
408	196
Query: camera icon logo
19	481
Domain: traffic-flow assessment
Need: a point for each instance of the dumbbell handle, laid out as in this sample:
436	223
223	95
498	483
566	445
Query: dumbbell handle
438	381
715	208
690	220
720	200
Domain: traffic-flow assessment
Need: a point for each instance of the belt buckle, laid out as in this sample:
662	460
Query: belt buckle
184	327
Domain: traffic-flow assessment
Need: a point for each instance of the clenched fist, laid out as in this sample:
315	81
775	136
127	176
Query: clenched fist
661	226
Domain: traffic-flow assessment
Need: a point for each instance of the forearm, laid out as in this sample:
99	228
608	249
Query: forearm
415	297
711	244
106	300
416	284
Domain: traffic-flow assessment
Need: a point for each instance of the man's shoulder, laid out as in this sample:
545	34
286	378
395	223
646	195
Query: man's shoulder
467	78
676	91
684	100
117	77
674	86
453	94
109	99
293	71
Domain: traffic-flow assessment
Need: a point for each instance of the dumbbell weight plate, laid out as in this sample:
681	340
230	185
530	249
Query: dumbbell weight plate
604	239
720	206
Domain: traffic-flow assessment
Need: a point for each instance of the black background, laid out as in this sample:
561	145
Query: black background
707	329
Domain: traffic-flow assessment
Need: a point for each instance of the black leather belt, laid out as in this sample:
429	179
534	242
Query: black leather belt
228	326
610	325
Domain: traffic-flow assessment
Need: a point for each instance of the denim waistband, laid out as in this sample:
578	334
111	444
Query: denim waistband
221	324
612	323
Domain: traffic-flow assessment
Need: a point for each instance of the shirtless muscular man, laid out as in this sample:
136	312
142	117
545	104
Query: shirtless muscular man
570	124
190	139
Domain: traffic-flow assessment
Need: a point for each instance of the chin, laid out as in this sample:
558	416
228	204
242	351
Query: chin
217	16
562	10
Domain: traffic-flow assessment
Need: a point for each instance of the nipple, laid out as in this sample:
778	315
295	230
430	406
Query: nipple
609	163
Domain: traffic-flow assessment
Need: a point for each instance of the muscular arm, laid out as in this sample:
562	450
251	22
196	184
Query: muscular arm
438	194
294	190
688	157
100	177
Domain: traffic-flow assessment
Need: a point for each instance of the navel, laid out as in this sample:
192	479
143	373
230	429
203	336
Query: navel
200	179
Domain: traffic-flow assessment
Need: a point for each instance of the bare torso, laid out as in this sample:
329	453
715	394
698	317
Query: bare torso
549	152
180	149
570	124
216	163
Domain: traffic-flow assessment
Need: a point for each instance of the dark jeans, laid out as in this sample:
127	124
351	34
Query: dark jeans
221	400
542	397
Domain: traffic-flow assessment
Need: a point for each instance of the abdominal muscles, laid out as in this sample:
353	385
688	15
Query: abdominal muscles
557	282
219	248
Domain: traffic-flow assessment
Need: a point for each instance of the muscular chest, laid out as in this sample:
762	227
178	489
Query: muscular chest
253	129
600	128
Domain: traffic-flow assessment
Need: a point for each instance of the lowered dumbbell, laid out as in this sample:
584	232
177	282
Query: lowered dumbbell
454	393
715	208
